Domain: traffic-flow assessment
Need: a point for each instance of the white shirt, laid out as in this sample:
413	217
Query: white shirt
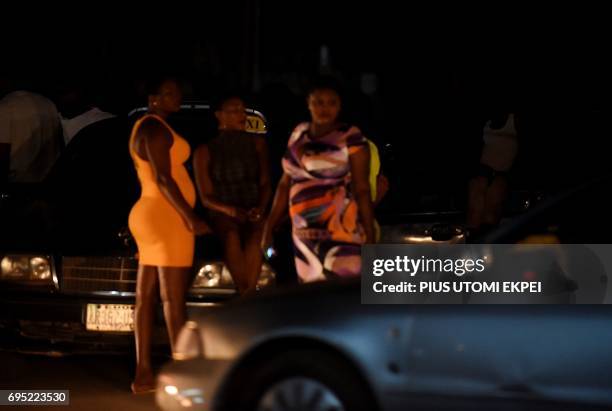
500	146
30	123
72	126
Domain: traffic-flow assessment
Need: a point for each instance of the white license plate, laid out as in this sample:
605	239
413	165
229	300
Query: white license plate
110	317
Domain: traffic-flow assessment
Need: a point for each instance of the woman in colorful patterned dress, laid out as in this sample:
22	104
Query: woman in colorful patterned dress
325	183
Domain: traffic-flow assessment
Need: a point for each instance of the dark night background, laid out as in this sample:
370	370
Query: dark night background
437	73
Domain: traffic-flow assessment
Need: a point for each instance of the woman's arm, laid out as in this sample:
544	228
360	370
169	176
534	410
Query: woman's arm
382	187
201	163
158	142
265	189
279	208
360	170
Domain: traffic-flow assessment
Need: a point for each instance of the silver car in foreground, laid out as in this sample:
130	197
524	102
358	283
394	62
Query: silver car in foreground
316	347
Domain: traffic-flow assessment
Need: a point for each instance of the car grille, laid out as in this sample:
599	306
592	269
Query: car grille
99	274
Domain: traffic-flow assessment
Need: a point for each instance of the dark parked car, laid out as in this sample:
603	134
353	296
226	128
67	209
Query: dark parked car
67	261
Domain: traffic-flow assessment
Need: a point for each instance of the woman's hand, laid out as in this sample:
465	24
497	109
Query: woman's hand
237	213
198	226
255	215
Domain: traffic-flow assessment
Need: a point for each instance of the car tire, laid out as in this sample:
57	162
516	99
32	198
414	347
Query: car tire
327	382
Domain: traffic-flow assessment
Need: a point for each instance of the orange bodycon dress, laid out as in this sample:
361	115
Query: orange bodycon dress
162	238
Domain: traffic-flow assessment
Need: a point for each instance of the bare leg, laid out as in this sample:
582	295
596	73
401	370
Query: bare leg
235	258
146	299
173	288
476	201
253	255
494	201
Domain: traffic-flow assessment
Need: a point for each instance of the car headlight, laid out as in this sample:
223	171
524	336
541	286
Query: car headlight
216	275
213	275
25	267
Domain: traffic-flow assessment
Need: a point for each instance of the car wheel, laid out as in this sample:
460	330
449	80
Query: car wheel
304	379
299	393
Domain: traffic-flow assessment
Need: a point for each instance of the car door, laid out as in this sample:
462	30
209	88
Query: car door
509	356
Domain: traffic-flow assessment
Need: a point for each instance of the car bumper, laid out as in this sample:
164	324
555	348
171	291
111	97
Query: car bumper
190	384
56	323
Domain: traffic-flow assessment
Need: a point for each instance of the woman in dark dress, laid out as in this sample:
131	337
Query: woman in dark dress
233	181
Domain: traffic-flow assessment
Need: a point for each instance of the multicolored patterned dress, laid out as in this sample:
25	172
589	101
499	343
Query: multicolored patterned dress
327	234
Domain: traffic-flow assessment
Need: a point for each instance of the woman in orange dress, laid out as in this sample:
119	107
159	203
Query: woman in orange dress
162	222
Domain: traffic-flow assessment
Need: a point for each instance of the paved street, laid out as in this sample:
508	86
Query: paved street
95	382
